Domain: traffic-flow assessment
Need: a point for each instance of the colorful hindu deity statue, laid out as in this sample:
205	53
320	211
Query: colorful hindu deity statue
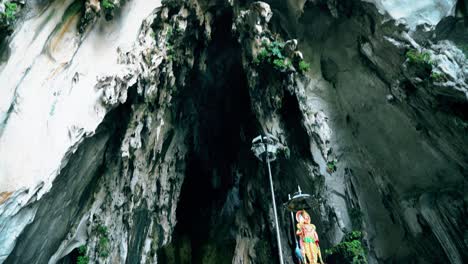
309	240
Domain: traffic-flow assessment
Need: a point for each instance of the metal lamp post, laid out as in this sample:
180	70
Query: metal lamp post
265	148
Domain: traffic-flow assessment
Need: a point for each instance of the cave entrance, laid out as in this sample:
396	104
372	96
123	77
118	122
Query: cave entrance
225	201
219	155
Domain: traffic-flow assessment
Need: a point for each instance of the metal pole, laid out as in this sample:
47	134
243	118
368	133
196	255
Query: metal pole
292	223
274	206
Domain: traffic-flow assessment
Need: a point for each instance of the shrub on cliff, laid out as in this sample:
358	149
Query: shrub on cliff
350	250
420	64
8	17
272	54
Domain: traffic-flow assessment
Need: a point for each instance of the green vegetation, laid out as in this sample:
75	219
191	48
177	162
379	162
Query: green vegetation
8	16
350	250
420	64
103	246
353	235
107	4
272	53
108	7
331	166
171	42
304	66
416	57
282	64
72	10
82	258
102	230
10	11
170	52
438	77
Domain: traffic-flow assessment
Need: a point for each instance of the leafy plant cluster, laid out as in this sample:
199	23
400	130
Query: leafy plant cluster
8	16
350	250
272	53
422	63
103	246
171	42
417	57
107	5
353	235
437	77
82	258
304	66
331	166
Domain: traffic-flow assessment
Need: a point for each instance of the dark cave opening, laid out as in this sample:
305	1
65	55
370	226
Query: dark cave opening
226	193
71	258
205	230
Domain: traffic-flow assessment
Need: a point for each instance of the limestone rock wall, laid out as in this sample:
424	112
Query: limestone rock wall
134	130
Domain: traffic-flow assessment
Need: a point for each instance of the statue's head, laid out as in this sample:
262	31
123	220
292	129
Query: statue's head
303	217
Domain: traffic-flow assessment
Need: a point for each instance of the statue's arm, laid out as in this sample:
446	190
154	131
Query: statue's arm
299	230
316	238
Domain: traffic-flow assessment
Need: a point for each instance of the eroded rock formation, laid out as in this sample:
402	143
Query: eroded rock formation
125	133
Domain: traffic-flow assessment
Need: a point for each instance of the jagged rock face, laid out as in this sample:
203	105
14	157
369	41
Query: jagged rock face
150	159
425	11
394	152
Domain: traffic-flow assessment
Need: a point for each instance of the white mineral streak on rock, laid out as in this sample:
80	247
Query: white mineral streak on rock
12	220
78	239
158	129
416	12
451	62
48	100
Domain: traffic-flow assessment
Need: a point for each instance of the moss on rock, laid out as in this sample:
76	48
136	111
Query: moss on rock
350	250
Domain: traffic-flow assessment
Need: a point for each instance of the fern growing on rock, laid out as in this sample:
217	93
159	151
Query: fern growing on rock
82	258
7	18
107	5
417	57
273	54
419	64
